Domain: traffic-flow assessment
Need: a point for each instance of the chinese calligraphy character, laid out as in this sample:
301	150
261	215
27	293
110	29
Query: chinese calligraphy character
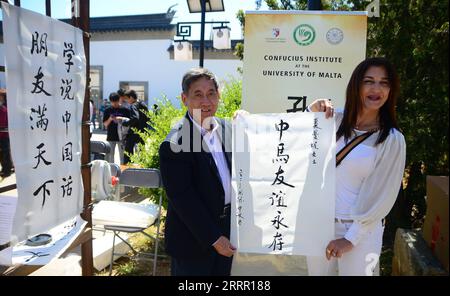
274	245
66	119
240	195
298	100
280	179
239	215
45	191
43	121
276	222
67	152
282	126
279	198
35	255
68	53
39	44
67	188
316	124
39	156
39	84
315	134
280	155
65	90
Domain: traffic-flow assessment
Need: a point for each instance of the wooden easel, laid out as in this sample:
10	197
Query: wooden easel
84	239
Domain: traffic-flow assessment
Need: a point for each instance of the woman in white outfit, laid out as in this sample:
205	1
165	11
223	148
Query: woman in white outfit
368	179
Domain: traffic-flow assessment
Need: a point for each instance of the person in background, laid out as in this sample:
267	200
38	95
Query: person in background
139	122
94	114
102	113
156	109
91	117
5	149
195	163
369	178
113	115
123	99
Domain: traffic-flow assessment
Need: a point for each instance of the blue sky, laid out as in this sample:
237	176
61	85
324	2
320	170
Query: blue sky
61	9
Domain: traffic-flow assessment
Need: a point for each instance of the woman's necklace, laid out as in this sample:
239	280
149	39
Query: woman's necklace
367	127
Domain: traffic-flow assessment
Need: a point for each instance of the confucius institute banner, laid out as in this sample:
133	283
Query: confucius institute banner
294	57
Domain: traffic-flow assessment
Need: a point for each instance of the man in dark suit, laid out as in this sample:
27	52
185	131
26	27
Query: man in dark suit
195	163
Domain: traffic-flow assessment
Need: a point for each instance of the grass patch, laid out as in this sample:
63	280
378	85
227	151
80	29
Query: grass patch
137	265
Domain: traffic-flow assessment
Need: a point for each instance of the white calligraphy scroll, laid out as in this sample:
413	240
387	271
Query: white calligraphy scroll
63	235
45	79
283	183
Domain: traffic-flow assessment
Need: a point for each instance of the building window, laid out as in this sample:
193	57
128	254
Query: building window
96	84
140	87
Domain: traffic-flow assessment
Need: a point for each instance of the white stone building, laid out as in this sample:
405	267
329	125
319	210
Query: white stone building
136	52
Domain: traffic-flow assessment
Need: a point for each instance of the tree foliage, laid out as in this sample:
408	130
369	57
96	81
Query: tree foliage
147	156
414	36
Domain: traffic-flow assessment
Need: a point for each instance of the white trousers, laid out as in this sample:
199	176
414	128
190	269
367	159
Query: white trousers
363	259
113	145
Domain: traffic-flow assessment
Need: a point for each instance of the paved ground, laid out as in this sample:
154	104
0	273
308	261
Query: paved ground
8	181
100	135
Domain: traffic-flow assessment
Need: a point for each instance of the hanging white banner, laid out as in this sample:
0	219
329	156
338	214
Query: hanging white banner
46	80
283	183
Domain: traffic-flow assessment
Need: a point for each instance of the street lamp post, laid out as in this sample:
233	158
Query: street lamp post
204	6
184	30
202	33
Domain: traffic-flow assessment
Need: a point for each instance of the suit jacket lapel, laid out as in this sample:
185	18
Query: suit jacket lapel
212	165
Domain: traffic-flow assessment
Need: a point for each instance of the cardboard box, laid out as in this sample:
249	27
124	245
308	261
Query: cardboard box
435	228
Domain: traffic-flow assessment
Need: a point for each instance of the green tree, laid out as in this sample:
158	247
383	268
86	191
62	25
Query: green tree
287	4
414	36
161	119
239	48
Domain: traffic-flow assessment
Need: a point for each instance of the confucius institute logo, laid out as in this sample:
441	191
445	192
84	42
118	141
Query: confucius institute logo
304	34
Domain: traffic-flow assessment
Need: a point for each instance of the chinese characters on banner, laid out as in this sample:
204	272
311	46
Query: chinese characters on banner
46	79
294	57
283	183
